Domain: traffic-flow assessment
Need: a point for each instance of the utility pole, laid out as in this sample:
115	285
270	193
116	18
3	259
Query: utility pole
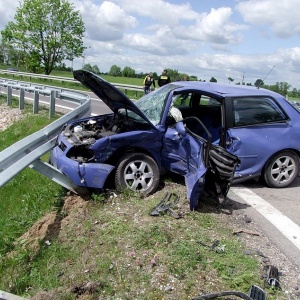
83	56
243	77
83	60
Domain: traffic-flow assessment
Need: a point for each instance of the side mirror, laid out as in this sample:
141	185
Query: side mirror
180	129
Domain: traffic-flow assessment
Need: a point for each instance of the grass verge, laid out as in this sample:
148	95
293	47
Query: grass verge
27	196
121	251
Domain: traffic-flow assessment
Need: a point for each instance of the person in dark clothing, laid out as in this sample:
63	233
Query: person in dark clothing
164	78
148	81
184	96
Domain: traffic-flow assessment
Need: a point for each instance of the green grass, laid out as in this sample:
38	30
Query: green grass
75	85
117	252
22	196
113	79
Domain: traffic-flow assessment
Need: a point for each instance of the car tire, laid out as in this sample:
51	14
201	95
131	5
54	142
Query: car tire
138	172
282	169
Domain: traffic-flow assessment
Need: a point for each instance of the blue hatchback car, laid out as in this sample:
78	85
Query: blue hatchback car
212	134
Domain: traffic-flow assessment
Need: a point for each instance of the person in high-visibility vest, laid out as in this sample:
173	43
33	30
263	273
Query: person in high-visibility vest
148	81
164	78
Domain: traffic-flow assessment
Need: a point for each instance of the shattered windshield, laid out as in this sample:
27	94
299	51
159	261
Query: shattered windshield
152	104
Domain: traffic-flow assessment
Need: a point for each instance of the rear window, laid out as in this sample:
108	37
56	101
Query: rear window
250	111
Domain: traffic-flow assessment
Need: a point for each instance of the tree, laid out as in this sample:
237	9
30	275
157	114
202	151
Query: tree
128	72
115	71
280	87
47	32
88	67
193	78
294	92
213	79
95	69
230	79
63	67
174	74
259	83
9	55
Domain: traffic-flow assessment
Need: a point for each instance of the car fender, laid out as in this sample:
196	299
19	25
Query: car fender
92	175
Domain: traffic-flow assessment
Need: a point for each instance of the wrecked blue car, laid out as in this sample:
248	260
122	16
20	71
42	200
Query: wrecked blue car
209	133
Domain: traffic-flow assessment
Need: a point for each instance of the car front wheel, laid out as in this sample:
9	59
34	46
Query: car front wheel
138	172
282	169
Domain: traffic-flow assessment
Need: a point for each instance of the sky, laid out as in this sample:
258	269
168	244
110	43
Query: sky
245	40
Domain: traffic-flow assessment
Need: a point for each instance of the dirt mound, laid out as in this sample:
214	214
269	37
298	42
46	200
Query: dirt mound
50	225
9	116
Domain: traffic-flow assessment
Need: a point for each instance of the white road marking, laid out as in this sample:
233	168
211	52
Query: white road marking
56	105
286	226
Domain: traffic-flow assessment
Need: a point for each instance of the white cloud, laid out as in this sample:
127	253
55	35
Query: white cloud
281	16
105	22
161	11
7	11
214	27
163	43
220	66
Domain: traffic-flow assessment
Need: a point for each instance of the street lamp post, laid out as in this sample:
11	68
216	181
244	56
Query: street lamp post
83	57
72	59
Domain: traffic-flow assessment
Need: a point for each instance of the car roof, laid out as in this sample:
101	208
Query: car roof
115	99
226	89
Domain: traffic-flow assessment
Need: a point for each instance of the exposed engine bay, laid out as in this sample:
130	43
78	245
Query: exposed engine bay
88	131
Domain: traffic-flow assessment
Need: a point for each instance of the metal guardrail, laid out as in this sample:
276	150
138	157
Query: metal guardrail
9	296
27	152
124	87
33	75
31	88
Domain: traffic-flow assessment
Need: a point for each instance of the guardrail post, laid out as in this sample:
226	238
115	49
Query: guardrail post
52	104
21	102
36	102
9	95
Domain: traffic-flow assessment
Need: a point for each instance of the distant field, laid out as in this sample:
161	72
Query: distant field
122	80
111	79
73	85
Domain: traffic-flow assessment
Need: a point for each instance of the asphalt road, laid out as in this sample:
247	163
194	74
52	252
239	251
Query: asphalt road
276	211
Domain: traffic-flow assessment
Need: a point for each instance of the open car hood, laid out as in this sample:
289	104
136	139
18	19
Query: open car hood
108	93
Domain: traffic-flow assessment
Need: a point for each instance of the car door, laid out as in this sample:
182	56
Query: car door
257	127
180	152
204	166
